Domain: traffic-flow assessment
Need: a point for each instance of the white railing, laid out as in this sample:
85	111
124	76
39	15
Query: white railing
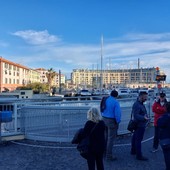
57	121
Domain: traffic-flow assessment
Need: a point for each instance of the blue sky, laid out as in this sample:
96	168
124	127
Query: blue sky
66	34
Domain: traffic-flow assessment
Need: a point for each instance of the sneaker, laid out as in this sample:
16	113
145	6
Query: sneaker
142	158
154	150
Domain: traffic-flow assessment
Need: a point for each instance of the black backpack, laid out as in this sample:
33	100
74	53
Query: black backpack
103	103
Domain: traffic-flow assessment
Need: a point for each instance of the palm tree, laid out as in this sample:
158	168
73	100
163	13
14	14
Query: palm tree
50	74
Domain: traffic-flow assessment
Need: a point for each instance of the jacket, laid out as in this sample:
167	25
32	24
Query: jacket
158	110
138	112
97	137
112	109
164	125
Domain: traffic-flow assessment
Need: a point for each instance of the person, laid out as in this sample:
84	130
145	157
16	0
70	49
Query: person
139	113
112	117
158	109
164	125
95	127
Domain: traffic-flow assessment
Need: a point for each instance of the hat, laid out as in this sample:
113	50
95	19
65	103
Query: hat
162	94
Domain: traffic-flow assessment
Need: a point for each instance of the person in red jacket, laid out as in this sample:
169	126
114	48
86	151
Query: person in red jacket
159	109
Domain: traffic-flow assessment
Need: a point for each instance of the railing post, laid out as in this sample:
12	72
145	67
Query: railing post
15	117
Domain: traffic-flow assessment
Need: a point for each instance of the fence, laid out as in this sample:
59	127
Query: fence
57	121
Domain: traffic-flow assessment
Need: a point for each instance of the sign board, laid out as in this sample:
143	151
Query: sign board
160	77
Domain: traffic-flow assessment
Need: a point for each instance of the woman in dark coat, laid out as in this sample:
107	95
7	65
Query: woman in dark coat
164	125
97	139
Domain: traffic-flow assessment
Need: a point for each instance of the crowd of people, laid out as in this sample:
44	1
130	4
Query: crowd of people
102	127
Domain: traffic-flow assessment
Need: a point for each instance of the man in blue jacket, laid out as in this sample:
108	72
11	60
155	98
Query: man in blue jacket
139	113
112	117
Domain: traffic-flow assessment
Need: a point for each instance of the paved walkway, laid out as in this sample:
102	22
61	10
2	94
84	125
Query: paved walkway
33	155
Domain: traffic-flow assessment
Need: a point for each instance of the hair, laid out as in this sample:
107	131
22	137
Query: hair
93	114
167	105
162	94
143	93
114	93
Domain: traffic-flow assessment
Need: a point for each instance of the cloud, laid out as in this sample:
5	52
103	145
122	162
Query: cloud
37	37
152	49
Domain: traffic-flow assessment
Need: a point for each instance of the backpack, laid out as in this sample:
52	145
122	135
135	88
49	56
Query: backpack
103	103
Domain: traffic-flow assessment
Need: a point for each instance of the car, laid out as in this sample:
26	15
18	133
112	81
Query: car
85	93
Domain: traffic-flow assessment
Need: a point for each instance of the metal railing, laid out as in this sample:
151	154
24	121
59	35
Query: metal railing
57	121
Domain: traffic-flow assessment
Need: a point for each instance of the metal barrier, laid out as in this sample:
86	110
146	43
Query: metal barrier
58	121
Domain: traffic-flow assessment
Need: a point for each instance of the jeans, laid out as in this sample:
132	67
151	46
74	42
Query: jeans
136	143
111	133
156	137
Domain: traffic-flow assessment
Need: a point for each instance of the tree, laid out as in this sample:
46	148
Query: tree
50	77
36	87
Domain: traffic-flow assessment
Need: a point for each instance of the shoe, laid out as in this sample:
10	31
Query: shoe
142	158
111	158
154	150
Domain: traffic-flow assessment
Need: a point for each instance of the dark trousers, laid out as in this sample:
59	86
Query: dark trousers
136	143
166	153
95	158
156	137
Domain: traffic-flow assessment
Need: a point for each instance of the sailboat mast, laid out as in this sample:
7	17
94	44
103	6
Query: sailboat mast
101	73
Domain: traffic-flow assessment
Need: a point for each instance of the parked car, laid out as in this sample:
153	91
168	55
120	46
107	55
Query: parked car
85	93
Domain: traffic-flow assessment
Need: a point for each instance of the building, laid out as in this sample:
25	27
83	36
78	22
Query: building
94	78
33	76
12	75
42	72
56	81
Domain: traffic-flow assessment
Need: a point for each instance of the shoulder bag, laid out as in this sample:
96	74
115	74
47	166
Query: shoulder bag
132	125
83	146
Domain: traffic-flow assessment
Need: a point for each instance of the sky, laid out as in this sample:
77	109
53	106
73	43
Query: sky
67	34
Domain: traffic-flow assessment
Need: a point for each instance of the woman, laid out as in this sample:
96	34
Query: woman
159	109
95	127
164	125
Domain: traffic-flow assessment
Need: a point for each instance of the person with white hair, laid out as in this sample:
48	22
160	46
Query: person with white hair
95	128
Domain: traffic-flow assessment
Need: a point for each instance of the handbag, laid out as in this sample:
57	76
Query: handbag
132	125
83	145
165	143
77	137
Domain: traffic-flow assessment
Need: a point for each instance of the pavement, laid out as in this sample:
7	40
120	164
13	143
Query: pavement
37	155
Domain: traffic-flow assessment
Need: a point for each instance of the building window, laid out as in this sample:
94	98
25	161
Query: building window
10	67
6	65
6	81
23	93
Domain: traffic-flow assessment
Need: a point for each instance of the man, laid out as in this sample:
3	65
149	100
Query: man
158	109
112	117
164	136
140	116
